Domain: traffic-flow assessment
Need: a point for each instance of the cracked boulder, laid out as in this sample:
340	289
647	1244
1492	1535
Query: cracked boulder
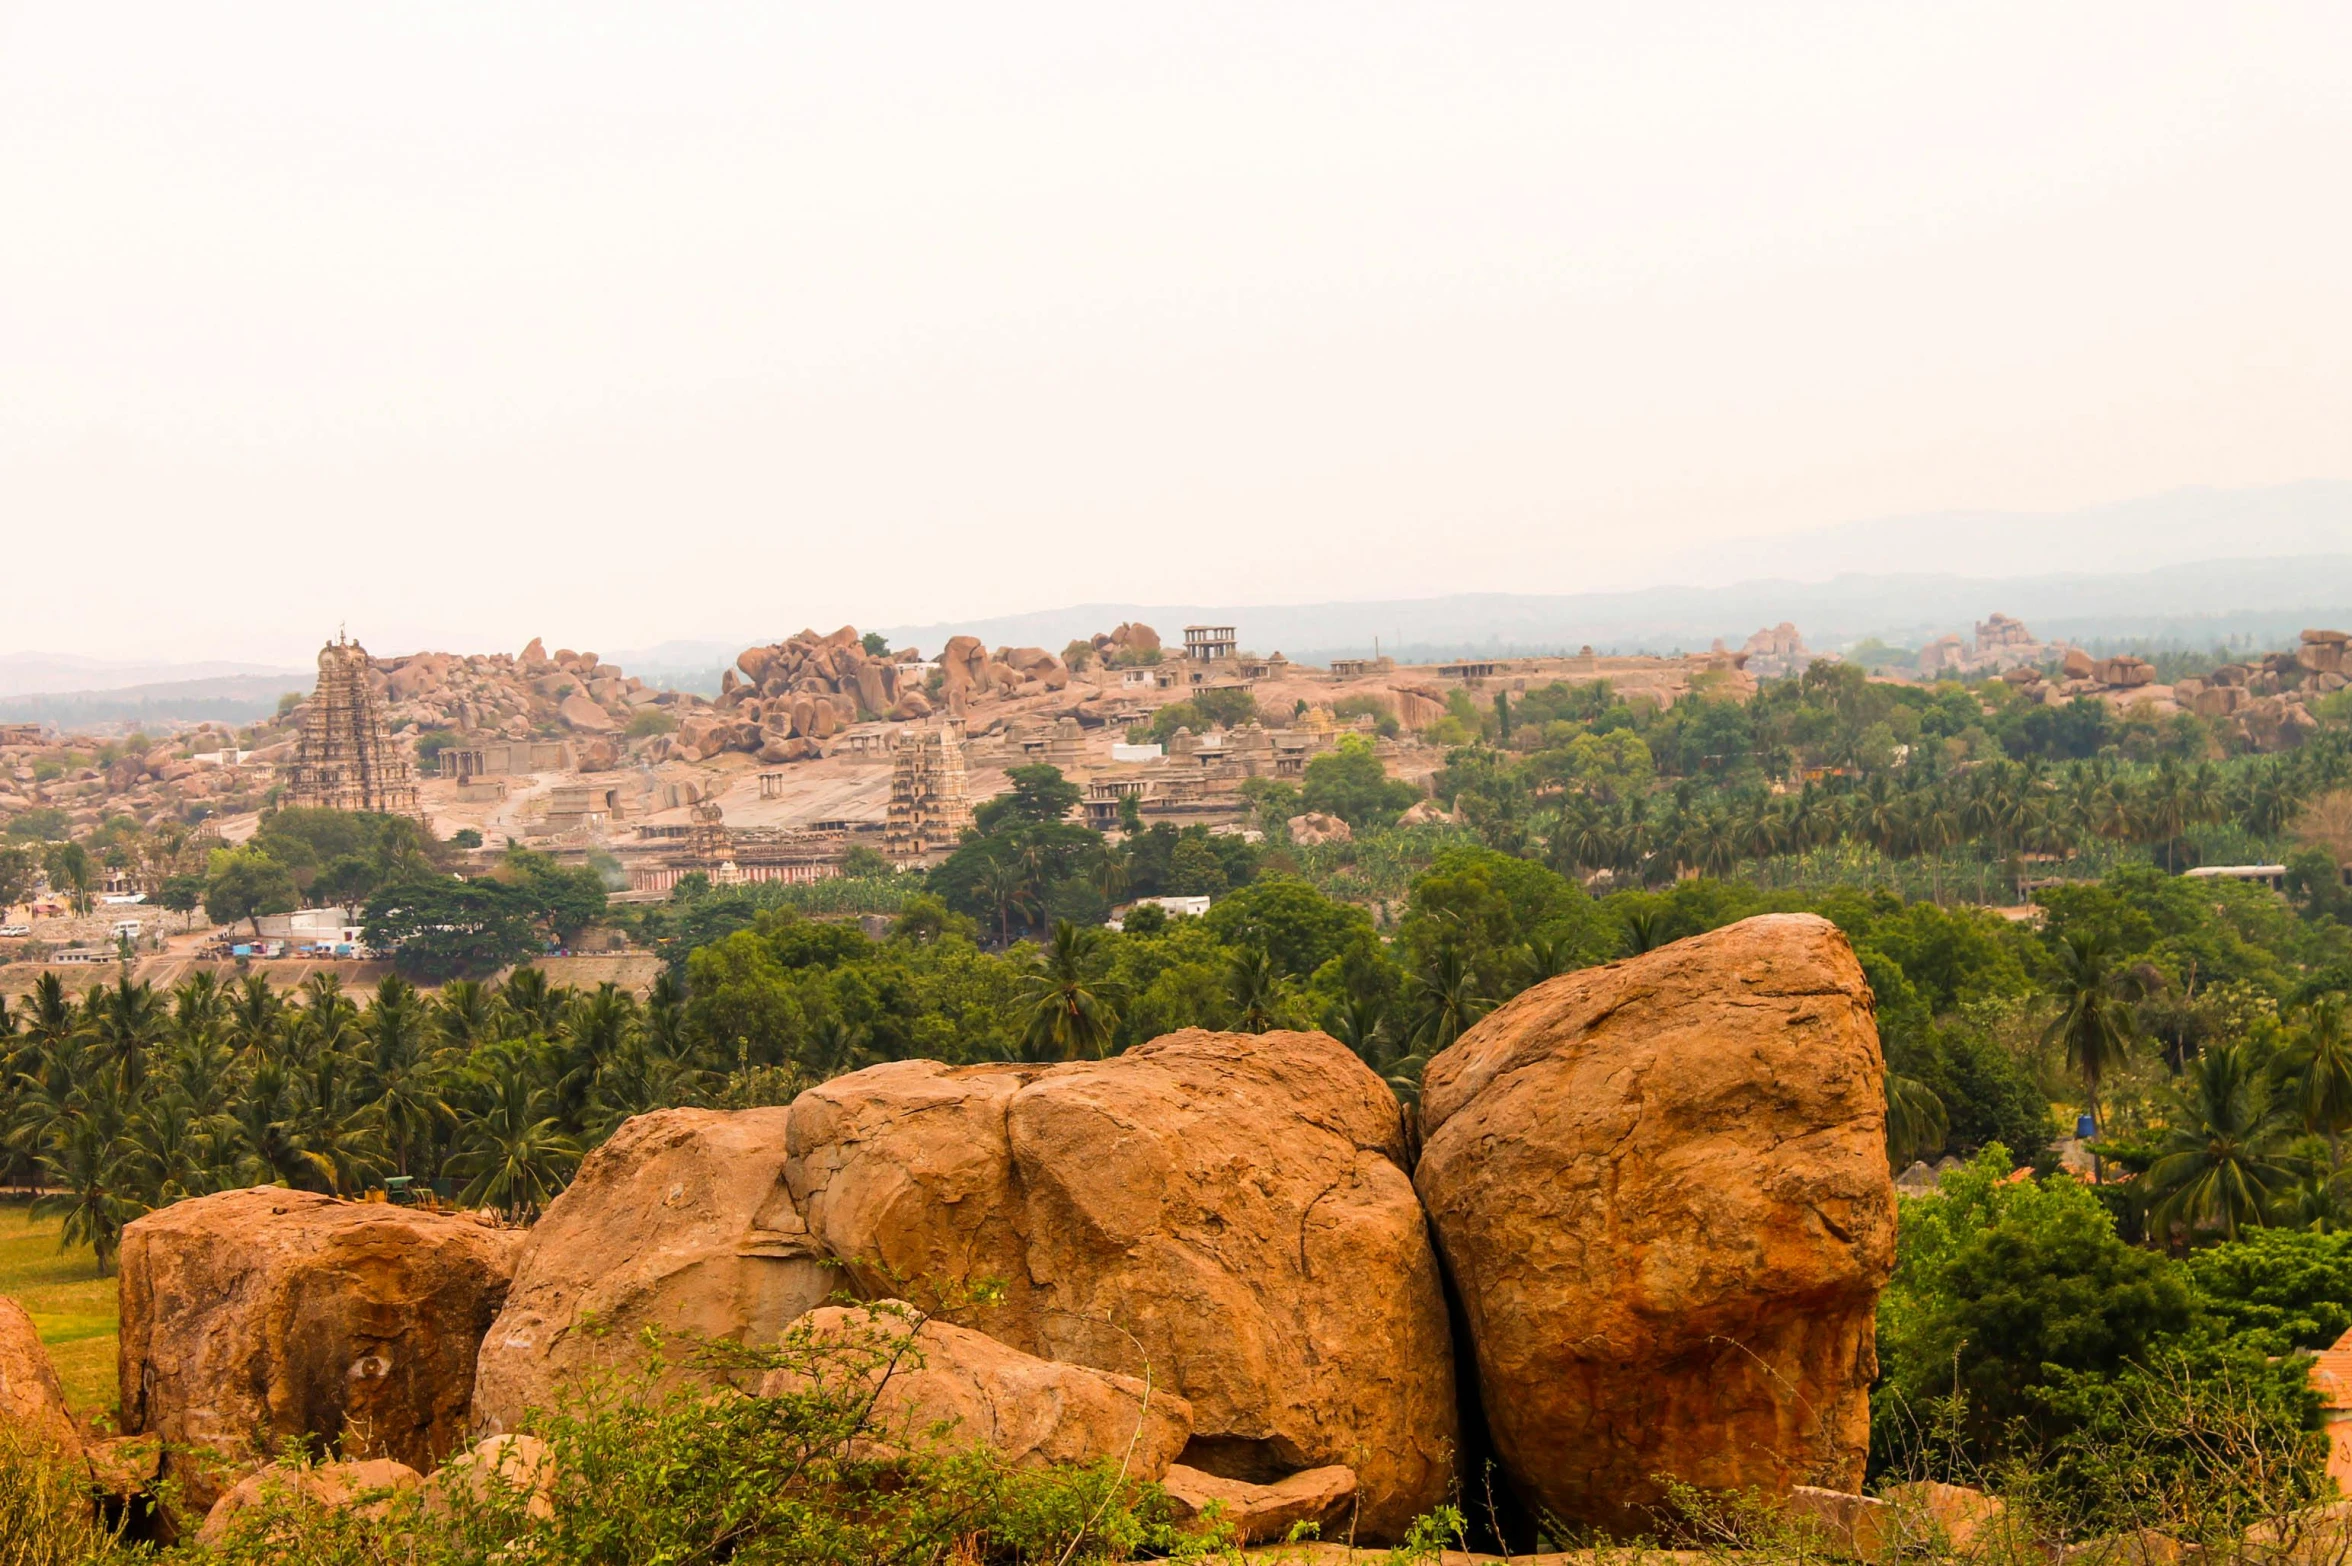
679	1222
932	1385
1661	1190
1225	1214
255	1318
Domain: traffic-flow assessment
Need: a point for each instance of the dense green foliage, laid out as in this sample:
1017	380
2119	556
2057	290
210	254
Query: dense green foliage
1960	784
2115	1386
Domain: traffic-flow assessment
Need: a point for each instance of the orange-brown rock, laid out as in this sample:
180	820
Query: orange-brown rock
579	712
1261	1513
32	1403
267	1314
501	1470
1226	1210
1661	1190
933	1381
680	1221
367	1486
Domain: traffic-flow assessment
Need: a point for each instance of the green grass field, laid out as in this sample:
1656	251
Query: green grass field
72	1306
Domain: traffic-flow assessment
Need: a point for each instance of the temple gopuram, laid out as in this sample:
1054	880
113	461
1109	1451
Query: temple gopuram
929	808
345	760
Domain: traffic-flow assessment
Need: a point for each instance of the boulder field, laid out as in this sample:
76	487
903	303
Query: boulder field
1656	1192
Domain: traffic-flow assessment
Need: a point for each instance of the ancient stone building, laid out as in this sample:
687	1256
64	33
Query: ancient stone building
708	842
345	760
929	808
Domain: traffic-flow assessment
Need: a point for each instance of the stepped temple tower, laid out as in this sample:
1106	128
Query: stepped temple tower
928	806
345	760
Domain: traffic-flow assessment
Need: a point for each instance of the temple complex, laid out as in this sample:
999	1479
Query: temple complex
344	759
929	808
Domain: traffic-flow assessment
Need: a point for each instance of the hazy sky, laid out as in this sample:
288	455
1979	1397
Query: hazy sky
468	321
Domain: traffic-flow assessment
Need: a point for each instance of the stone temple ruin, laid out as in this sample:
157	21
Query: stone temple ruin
929	806
345	760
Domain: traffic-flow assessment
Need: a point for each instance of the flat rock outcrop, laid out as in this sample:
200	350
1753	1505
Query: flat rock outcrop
275	1314
1263	1513
32	1403
679	1221
1661	1191
932	1380
1227	1211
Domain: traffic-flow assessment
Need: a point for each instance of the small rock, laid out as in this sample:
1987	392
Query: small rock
931	1376
523	1465
367	1485
1965	1518
1259	1513
1852	1527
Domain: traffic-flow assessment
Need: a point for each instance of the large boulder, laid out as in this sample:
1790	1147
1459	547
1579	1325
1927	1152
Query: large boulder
262	1316
681	1222
32	1402
1226	1212
1661	1191
581	713
931	1380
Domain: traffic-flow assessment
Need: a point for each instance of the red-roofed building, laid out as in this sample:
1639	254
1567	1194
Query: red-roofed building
2331	1378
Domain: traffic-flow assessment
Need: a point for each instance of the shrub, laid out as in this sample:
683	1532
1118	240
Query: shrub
648	1466
46	1518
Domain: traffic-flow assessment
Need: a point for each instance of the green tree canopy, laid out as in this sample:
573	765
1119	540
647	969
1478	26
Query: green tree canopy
245	883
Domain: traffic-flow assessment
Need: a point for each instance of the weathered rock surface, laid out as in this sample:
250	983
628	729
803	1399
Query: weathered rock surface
499	1468
368	1485
1661	1189
1950	1517
1317	827
932	1376
274	1314
1263	1512
680	1221
1227	1211
32	1403
580	712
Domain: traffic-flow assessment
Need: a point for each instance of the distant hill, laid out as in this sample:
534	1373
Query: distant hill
28	673
2198	603
2180	527
237	698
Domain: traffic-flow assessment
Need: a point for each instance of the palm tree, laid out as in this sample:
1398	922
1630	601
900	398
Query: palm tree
1915	1120
531	1004
1550	953
1254	984
1645	929
401	1077
2094	1019
83	1155
255	1016
129	1020
1359	1019
2220	1161
516	1157
1444	998
1004	886
1068	1007
2316	1067
466	1015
